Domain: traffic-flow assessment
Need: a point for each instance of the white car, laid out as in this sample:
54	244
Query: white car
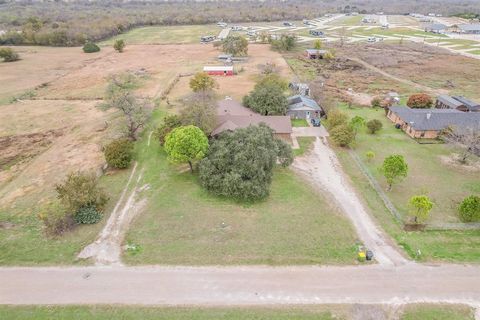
222	24
372	39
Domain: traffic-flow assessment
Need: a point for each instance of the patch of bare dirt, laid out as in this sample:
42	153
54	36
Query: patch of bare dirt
453	161
53	139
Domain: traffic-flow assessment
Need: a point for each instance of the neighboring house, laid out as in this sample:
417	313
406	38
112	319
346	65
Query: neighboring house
231	115
315	53
473	28
302	107
457	102
428	123
436	28
219	70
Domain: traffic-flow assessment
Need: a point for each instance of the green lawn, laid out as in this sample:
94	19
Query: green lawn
317	312
26	243
299	123
437	312
166	34
443	184
183	224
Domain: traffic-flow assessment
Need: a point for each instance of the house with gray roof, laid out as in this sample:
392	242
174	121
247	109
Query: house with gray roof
473	28
459	103
428	123
302	107
436	28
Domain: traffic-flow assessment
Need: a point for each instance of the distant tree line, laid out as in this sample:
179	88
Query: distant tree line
59	23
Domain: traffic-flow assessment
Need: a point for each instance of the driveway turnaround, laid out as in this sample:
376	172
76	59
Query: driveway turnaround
249	285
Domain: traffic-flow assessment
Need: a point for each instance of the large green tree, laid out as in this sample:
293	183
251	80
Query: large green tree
186	145
267	99
240	164
394	169
235	45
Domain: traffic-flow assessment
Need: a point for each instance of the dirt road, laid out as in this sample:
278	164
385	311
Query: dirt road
250	285
323	169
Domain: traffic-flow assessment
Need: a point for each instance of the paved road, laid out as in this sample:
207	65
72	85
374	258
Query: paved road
252	285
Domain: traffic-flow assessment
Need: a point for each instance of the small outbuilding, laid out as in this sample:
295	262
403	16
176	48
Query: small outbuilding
315	53
219	70
473	28
459	103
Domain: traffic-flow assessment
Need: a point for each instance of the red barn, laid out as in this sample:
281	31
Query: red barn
219	70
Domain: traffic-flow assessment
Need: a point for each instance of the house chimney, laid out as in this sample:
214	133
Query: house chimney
429	115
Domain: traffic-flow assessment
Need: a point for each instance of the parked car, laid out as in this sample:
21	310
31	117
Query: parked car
222	24
288	24
372	39
206	39
316	33
237	28
315	122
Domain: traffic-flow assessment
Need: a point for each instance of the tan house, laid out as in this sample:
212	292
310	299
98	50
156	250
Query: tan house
232	115
428	123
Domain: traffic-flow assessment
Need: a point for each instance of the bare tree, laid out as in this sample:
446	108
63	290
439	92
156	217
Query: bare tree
136	111
465	139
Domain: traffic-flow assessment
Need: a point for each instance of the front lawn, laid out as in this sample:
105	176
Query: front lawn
444	184
184	224
299	123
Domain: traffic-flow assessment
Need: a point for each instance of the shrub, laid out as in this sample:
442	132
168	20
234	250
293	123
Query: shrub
119	153
56	219
469	209
169	123
376	102
336	118
119	45
9	55
343	135
90	47
87	215
420	101
80	190
374	125
370	155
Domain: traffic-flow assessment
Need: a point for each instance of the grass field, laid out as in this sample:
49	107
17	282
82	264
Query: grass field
427	174
26	244
183	224
166	34
321	312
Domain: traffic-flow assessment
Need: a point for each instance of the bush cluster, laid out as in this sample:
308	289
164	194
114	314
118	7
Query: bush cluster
87	215
90	47
119	153
469	209
9	55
